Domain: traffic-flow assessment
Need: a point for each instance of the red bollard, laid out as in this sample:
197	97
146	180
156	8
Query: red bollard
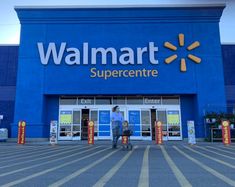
91	129
21	132
226	132
158	132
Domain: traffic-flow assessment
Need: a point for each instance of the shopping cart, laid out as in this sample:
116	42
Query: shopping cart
127	132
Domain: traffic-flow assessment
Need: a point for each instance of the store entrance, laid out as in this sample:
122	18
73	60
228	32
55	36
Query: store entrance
84	122
140	112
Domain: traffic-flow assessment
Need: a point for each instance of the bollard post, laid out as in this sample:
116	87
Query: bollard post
21	132
158	132
226	132
91	129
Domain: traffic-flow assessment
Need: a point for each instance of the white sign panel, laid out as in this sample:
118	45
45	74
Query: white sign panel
53	132
3	134
191	132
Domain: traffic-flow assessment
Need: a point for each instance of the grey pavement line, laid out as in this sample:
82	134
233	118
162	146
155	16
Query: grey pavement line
41	158
31	155
20	152
207	168
16	146
12	150
24	153
80	171
50	170
144	174
22	146
109	174
178	174
222	150
228	147
40	164
211	158
214	152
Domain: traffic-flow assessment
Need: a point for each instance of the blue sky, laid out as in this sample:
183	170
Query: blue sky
10	27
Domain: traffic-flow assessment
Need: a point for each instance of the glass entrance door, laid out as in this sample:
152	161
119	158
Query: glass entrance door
69	125
174	125
171	124
140	123
146	124
161	116
94	117
76	125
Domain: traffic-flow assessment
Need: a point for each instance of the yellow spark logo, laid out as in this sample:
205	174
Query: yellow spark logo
171	58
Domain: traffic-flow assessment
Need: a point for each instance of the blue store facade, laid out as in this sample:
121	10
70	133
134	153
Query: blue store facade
75	64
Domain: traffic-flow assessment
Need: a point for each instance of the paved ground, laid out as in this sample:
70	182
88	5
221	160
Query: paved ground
172	164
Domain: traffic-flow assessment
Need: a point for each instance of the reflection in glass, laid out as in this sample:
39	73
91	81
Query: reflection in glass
161	116
76	128
68	101
119	101
94	115
103	100
76	117
65	128
76	134
174	128
145	121
135	100
174	133
145	117
170	101
145	127
146	134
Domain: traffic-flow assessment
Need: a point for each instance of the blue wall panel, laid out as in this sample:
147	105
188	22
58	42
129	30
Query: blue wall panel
51	112
8	69
8	65
229	75
229	64
7	110
188	109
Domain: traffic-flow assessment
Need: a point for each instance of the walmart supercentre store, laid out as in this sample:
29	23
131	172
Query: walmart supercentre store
74	64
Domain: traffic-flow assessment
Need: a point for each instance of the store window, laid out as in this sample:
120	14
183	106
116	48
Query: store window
145	121
76	123
170	101
94	118
76	117
161	116
135	100
119	100
68	101
174	126
103	100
